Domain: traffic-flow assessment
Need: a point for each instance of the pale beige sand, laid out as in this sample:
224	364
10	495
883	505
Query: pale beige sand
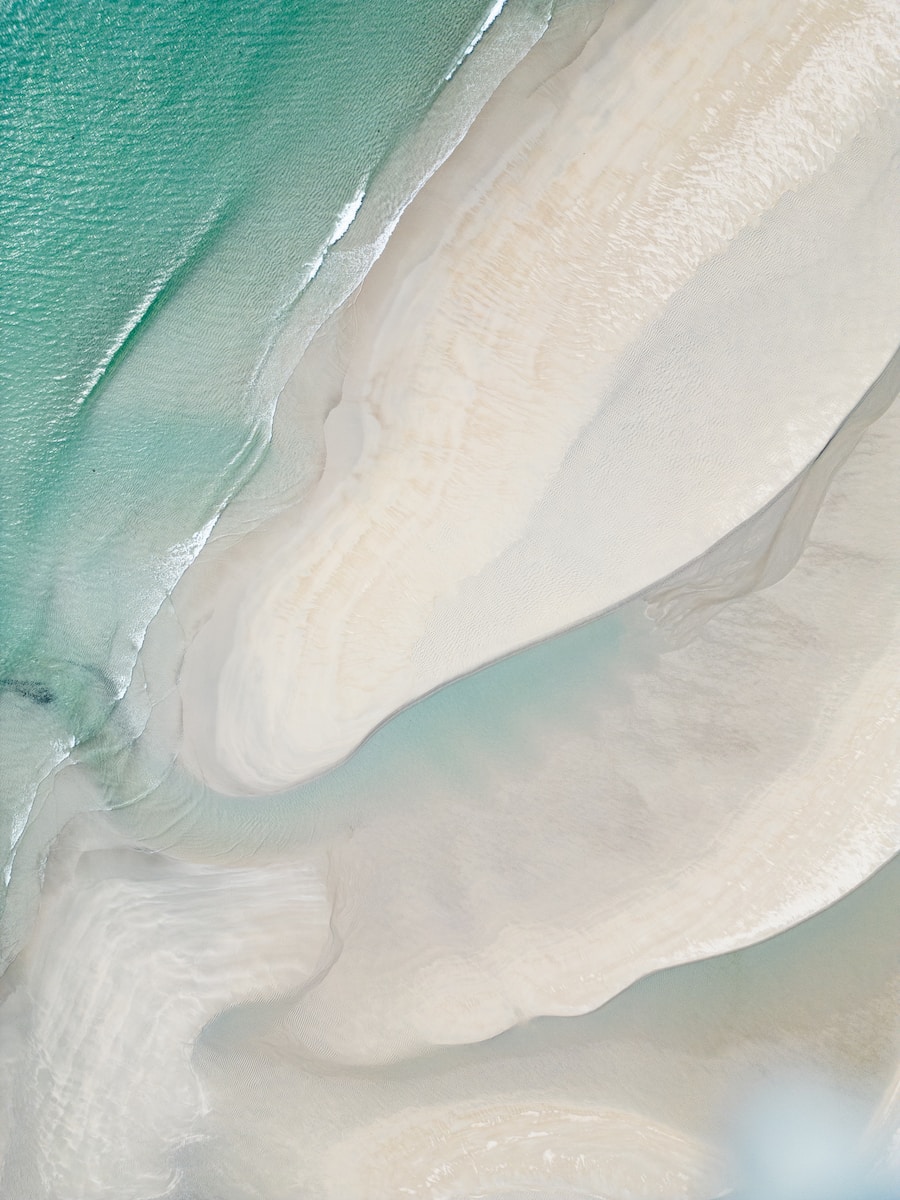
709	797
497	467
296	1009
666	1067
478	1150
131	956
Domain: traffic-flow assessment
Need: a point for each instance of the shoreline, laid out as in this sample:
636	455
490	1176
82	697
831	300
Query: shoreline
282	629
885	390
547	668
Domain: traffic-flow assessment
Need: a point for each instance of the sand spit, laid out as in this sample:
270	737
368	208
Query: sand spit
708	797
624	314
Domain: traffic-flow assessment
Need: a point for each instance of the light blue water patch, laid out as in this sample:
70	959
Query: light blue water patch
172	174
461	738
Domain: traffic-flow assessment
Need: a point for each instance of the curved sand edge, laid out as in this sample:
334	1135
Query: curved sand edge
441	534
510	1148
722	793
223	937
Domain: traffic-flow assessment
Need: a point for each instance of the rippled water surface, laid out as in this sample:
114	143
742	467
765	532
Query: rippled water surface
506	909
172	174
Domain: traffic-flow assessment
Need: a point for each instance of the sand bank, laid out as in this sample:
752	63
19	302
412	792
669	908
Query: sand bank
166	1066
622	317
689	802
130	958
514	1148
706	796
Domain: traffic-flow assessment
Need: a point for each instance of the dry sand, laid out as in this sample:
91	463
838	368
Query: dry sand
631	307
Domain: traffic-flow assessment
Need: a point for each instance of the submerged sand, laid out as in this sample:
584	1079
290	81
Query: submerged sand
619	346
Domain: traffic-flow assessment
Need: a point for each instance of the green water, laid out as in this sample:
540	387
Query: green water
171	170
172	174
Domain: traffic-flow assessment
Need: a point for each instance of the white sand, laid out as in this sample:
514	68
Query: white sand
130	958
297	1012
583	360
510	1146
512	452
688	804
620	319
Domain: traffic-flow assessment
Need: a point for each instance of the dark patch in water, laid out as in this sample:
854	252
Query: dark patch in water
29	690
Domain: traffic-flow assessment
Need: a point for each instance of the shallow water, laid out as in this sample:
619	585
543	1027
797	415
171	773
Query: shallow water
212	996
173	175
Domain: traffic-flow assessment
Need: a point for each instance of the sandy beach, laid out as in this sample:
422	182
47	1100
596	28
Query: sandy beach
583	283
694	801
508	793
601	357
335	989
606	354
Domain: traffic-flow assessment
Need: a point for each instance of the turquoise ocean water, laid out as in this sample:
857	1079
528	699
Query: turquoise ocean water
173	174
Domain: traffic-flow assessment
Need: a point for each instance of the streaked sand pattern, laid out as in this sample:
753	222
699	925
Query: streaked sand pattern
302	991
632	351
482	411
693	801
463	1150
